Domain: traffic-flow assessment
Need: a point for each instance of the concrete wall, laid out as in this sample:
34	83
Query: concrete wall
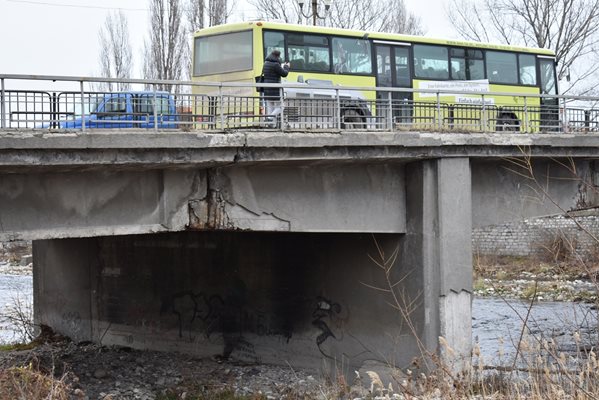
258	297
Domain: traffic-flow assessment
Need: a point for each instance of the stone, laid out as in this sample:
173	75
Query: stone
100	373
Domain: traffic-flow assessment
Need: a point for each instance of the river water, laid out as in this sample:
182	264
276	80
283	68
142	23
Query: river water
496	324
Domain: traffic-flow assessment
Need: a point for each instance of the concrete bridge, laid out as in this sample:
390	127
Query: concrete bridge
315	249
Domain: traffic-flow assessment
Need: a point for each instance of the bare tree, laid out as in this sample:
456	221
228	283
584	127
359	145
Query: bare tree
196	10
204	13
377	15
167	49
218	12
116	59
278	10
569	27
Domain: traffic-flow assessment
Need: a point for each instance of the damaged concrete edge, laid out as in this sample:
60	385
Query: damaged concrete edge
66	232
213	212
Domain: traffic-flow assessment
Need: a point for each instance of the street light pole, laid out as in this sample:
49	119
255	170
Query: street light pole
314	9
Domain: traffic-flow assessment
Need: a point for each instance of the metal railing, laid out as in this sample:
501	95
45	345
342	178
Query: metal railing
73	103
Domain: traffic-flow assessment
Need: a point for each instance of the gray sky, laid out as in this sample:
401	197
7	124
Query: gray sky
60	37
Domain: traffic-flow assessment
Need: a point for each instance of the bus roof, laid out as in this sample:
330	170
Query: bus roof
240	26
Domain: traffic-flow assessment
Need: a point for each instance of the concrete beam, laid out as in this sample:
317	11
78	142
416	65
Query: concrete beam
93	203
514	190
22	150
323	198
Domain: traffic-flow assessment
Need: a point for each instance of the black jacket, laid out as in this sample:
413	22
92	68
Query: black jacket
273	72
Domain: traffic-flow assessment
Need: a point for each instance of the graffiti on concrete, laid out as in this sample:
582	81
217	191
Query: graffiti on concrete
199	313
326	313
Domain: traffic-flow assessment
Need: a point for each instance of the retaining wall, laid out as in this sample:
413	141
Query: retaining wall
544	236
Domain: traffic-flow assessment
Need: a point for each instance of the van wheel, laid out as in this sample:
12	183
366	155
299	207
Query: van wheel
351	119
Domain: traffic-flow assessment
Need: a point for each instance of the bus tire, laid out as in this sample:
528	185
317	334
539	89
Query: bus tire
507	123
352	119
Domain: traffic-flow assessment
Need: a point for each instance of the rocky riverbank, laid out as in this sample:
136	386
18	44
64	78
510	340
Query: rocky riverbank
522	278
89	371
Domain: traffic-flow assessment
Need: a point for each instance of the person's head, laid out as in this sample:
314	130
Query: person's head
276	53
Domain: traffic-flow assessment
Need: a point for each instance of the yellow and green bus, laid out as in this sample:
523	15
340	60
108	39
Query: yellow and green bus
236	52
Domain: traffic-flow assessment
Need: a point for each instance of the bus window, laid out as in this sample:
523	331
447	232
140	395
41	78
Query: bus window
431	62
501	67
311	52
458	64
548	85
403	76
383	66
351	56
275	41
528	69
219	54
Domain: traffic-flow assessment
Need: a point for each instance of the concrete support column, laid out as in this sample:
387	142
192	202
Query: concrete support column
437	247
63	287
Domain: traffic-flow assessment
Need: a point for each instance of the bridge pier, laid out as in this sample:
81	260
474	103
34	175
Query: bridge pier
310	299
437	246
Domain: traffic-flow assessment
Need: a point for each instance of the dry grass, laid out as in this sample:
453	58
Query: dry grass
29	383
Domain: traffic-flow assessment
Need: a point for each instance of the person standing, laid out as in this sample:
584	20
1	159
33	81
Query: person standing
272	72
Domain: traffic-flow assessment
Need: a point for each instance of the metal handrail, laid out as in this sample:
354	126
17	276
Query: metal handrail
236	105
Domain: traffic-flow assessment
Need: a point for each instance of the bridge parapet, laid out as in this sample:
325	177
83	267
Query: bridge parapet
56	103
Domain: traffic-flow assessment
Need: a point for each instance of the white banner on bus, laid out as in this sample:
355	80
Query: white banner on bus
474	100
478	86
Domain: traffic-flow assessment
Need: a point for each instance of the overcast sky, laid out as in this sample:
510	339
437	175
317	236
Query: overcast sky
60	37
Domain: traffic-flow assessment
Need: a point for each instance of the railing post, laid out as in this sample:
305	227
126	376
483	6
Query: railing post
565	116
390	119
82	107
484	113
154	108
338	105
440	120
222	107
282	114
526	115
2	105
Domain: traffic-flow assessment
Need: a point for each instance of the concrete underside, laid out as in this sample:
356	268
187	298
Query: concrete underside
256	297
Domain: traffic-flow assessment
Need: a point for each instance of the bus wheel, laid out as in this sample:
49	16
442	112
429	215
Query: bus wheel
351	119
507	123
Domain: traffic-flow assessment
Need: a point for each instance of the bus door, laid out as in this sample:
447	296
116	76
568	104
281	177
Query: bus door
549	117
393	70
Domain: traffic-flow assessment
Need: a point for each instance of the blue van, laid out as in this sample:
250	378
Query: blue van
129	110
